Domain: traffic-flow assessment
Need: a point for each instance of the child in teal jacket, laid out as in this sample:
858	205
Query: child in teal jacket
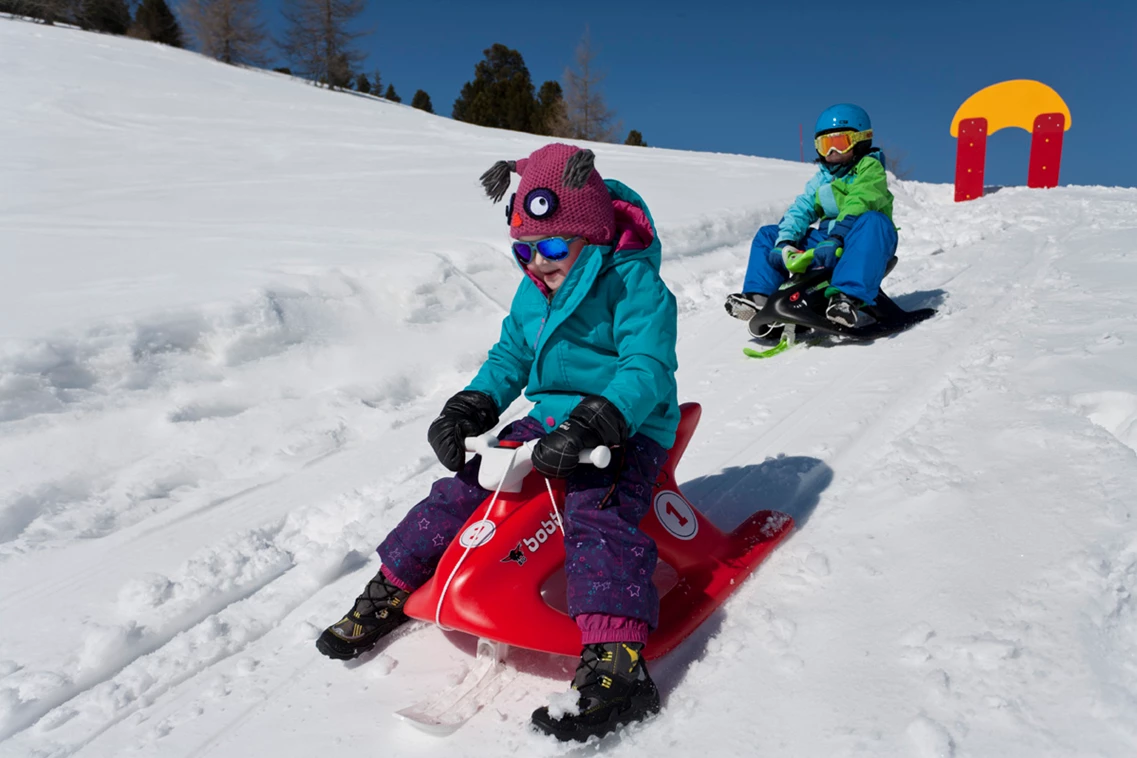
590	339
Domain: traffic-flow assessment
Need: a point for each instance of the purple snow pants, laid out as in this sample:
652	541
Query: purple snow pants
609	562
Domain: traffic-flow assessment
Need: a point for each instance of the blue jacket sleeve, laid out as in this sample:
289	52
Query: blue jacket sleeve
644	328
506	371
802	213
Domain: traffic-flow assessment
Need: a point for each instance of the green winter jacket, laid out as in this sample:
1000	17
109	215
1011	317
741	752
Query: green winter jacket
836	193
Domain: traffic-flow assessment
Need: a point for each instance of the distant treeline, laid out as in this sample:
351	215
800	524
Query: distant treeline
320	45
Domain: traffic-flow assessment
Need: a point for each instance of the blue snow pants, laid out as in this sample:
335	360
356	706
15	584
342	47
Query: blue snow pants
869	245
609	562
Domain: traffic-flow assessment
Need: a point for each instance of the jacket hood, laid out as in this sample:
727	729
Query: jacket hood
636	236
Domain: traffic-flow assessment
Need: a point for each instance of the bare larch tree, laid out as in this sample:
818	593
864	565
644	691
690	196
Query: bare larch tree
318	42
229	30
588	115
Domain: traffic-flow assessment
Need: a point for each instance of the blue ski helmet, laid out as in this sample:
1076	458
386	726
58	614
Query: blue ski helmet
843	116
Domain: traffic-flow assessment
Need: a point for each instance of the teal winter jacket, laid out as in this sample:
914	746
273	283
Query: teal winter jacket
608	330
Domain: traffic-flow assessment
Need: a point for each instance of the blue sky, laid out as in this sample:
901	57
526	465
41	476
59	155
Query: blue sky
740	77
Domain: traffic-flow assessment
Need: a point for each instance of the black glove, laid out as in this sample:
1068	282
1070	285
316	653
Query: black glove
467	414
594	421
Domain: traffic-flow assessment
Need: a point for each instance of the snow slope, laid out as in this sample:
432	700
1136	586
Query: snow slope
232	302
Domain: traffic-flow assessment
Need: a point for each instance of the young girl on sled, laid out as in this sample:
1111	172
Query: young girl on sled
590	339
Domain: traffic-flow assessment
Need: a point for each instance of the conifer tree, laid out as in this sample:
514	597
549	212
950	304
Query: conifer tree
110	16
392	95
421	100
635	138
501	93
155	21
339	74
551	117
48	11
33	9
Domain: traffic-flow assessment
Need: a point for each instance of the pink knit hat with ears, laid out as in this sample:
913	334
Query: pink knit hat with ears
560	193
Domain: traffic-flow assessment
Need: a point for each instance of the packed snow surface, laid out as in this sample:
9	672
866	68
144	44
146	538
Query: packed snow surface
232	302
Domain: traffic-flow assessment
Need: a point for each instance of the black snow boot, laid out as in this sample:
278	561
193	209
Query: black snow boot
376	613
613	689
842	310
743	305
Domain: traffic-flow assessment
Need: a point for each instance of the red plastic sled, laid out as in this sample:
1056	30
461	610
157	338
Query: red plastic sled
517	553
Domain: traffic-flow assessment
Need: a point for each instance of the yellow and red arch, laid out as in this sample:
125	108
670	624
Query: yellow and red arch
1021	103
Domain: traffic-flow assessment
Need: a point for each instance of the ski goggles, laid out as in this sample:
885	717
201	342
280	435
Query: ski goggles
842	142
550	248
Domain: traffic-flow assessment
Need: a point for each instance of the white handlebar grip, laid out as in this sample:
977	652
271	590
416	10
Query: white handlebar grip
480	443
599	456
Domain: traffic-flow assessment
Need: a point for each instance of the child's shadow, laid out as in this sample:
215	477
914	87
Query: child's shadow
790	484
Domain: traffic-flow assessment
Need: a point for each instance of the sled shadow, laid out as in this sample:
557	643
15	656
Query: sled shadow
790	484
911	301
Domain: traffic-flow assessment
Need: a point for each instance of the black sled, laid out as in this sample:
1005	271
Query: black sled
800	303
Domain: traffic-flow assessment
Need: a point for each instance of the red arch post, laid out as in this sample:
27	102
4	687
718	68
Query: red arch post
1046	150
970	158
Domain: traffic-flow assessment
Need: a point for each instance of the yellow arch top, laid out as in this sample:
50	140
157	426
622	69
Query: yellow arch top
1013	103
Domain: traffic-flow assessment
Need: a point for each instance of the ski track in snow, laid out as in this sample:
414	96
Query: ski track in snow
191	493
907	406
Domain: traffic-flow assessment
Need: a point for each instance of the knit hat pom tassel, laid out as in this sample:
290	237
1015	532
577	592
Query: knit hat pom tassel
496	180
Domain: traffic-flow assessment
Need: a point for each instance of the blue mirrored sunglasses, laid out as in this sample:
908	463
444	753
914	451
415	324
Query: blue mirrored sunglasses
550	248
